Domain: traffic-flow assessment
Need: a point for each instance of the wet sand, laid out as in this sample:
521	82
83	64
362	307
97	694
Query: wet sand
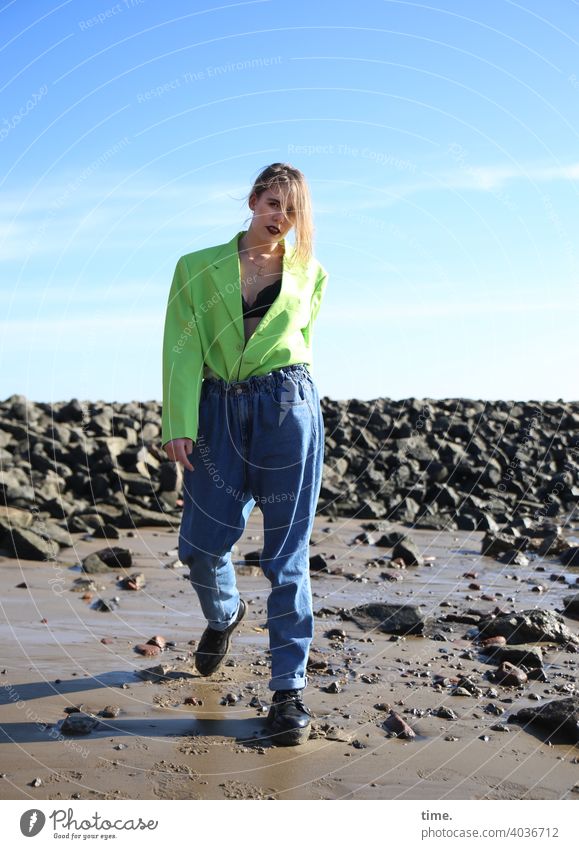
160	748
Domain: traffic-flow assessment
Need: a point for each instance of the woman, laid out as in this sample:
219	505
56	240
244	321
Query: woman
242	414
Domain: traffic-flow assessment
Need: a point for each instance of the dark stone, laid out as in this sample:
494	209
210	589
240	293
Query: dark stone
318	563
409	552
77	724
105	606
570	557
106	531
509	675
391	539
28	545
494	544
444	713
571	603
513	557
528	656
110	711
71	412
560	716
396	726
113	558
529	626
388	618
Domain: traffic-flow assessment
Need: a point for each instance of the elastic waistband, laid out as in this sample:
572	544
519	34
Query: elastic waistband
257	382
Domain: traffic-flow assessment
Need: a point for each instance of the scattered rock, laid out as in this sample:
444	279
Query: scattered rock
493	642
570	557
528	656
396	726
494	544
159	641
28	545
513	557
408	552
571	603
444	713
148	649
82	585
364	538
388	618
509	675
111	558
529	626
77	724
106	531
336	634
106	606
318	563
561	716
136	581
110	712
161	673
496	710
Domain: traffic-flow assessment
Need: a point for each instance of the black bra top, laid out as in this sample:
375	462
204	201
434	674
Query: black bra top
263	302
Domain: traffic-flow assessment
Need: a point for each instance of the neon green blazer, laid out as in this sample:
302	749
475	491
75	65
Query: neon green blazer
204	328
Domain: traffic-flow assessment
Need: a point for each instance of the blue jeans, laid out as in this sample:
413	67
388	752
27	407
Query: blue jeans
261	441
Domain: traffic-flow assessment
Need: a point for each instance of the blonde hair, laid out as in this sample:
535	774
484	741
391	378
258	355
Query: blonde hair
297	195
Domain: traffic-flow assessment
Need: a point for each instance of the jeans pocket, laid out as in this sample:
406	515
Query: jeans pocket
290	393
294	399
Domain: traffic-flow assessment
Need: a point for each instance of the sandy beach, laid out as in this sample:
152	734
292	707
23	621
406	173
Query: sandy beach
59	652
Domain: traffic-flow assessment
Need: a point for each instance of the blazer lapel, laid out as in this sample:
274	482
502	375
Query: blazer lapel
225	272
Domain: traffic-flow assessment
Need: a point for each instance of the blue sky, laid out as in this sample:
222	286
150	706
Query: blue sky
440	143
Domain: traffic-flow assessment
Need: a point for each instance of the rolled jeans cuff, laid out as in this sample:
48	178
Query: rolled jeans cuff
288	683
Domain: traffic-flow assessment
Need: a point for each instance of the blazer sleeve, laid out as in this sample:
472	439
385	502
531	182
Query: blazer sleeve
316	303
182	361
318	295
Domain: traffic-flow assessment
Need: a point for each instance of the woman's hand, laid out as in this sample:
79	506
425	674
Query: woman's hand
177	451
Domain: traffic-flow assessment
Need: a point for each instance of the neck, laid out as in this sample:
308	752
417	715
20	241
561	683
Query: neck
253	245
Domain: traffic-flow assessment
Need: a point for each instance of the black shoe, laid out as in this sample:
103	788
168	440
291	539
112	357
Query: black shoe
289	719
214	645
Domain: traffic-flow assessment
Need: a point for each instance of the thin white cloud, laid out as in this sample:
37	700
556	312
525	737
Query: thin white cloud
491	177
353	312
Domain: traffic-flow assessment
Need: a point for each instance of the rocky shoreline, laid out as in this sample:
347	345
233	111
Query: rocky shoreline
453	464
444	563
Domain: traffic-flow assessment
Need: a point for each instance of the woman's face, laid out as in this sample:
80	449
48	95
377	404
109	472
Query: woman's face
268	218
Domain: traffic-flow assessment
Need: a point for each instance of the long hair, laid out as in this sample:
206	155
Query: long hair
294	192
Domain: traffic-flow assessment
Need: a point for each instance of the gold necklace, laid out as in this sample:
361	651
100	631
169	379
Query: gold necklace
257	265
